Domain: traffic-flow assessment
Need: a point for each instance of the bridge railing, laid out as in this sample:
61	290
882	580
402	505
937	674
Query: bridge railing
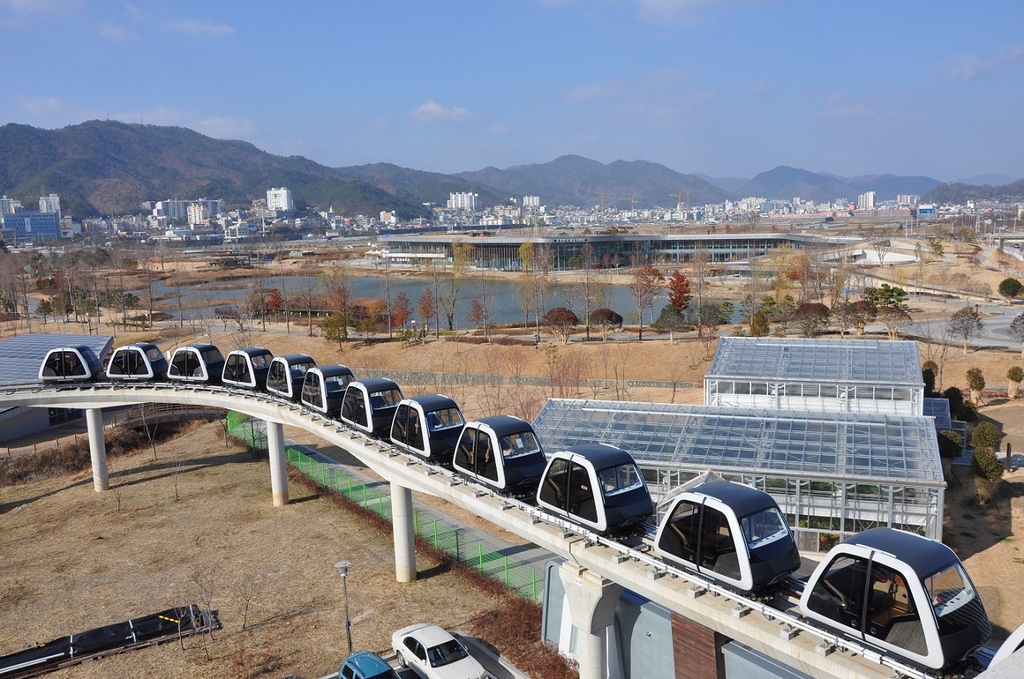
525	581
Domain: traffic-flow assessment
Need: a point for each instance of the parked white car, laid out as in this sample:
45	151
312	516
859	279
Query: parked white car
433	653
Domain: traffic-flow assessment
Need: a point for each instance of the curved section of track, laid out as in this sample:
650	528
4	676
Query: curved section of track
774	629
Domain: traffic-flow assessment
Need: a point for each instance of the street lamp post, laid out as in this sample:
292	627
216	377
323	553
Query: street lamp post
343	567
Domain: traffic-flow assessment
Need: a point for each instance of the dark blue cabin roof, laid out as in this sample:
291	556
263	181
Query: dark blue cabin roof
376	384
333	370
602	456
292	359
255	351
743	500
924	556
435	402
145	346
503	425
200	347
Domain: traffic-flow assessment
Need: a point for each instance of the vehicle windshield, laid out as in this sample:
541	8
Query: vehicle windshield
298	370
948	589
763	527
154	355
260	361
387	397
444	418
520	443
337	383
619	479
213	355
446	653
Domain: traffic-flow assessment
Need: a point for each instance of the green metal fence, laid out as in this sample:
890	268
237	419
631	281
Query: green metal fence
523	580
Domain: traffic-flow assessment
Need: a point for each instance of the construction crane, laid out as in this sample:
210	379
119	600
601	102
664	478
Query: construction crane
602	194
679	200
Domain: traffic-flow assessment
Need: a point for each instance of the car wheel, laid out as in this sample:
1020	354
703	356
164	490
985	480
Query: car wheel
401	660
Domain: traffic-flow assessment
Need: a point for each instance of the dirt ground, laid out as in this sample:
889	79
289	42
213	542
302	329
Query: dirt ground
72	561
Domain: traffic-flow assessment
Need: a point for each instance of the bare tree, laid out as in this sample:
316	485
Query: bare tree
462	256
309	294
965	324
247	589
643	288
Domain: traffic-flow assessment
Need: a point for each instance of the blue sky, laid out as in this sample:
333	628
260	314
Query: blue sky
722	87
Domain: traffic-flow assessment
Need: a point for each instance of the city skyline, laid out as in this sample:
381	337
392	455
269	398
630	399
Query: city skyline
728	88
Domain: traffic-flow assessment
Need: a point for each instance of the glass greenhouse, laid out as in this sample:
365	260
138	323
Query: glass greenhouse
833	473
860	376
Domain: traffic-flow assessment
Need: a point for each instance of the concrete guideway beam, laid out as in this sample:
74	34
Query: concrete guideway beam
592	600
97	449
278	463
402	528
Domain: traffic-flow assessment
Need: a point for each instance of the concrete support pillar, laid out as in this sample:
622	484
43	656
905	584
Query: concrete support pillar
97	448
405	539
592	601
278	463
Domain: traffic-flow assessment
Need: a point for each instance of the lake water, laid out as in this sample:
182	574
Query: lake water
506	307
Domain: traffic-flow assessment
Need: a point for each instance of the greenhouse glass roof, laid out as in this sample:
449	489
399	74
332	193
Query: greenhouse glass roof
817	360
877	448
21	356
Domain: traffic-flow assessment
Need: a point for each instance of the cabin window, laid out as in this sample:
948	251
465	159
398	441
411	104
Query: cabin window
185	364
520	443
444	419
891	615
950	590
238	368
485	455
839	594
311	391
682	531
276	377
619	479
717	547
415	430
556	484
53	366
260	361
352	407
465	454
153	354
118	364
763	527
137	362
581	493
72	366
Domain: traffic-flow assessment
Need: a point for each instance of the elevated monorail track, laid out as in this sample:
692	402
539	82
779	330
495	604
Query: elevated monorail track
773	628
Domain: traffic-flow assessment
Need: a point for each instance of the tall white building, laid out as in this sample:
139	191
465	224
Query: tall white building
50	203
866	201
8	205
280	199
464	201
531	201
198	213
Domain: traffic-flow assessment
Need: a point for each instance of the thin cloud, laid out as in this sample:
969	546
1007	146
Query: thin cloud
969	66
498	129
18	13
198	28
380	124
116	32
41	106
433	112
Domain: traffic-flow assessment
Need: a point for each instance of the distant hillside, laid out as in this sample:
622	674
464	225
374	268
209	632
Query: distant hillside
789	182
730	184
961	193
109	167
990	179
574	180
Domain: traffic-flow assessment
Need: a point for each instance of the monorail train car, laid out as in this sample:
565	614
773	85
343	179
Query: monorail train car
501	452
369	405
324	387
596	486
428	426
196	363
70	364
287	374
247	368
731	533
138	362
902	593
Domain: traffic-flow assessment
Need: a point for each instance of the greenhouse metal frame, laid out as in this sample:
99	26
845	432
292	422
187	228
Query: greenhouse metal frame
834	474
846	375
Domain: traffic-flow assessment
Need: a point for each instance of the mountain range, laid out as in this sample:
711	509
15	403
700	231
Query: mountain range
110	167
